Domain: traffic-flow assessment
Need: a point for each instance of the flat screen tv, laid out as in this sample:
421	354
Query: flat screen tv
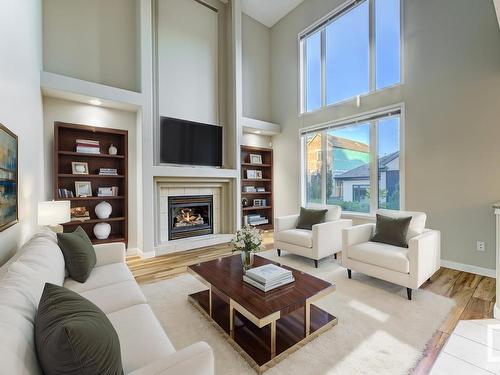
191	143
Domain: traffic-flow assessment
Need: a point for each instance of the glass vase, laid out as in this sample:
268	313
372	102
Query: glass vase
247	260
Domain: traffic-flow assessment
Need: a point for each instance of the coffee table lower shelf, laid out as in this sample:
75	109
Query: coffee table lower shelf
262	347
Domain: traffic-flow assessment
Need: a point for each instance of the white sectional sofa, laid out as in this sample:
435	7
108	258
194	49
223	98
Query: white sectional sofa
145	347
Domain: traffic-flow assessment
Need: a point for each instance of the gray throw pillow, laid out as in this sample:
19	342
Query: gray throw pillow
309	217
391	230
78	252
73	336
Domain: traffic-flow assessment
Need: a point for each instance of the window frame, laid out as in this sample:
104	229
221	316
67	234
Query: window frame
374	188
324	22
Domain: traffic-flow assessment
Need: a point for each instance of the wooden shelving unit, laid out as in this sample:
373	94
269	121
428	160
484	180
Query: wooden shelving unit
65	135
266	182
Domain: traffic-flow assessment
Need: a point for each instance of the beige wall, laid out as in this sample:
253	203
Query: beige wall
80	113
256	60
451	93
21	110
93	40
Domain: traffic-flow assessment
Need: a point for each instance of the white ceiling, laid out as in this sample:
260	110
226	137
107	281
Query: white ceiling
268	12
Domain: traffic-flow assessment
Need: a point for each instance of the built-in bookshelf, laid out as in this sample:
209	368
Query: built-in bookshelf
65	154
257	186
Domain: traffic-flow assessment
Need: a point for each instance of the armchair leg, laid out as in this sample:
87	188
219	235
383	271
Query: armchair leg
408	292
349	275
279	252
335	256
316	263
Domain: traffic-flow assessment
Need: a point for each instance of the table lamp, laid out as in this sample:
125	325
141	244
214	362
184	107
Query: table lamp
53	214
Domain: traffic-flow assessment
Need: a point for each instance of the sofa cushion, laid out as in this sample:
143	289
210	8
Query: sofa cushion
79	254
308	218
334	213
114	297
299	237
382	255
141	337
391	230
417	223
21	284
73	336
101	276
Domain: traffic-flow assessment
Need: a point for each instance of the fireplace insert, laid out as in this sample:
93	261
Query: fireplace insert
190	216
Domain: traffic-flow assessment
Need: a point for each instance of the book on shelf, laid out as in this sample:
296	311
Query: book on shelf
261	189
86	146
65	193
108	171
111	191
249	189
254	219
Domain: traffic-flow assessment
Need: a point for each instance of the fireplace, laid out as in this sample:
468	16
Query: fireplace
190	216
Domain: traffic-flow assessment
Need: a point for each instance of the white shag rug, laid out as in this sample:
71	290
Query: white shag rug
379	331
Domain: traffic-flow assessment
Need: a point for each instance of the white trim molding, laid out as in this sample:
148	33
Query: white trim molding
468	268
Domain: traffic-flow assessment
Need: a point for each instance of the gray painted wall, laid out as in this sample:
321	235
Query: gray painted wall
256	60
452	98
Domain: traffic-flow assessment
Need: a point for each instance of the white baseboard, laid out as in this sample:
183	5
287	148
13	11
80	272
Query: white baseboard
140	253
468	268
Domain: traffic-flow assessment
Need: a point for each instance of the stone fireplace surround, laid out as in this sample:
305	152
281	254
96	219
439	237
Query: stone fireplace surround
222	190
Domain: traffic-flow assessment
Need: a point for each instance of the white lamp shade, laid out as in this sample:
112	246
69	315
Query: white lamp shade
54	212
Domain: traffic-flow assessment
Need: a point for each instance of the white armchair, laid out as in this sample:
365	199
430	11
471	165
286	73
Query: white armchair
323	240
409	267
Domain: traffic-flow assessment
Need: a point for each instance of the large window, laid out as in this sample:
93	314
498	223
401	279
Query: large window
352	52
354	164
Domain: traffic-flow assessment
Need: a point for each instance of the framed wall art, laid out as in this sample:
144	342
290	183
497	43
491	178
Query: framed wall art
9	205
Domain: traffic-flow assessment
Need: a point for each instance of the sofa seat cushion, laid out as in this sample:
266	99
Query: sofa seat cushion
142	338
114	297
101	276
382	255
299	237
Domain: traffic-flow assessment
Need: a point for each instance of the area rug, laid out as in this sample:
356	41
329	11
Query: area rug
379	330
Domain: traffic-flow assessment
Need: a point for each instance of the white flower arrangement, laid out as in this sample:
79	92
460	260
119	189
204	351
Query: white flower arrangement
247	239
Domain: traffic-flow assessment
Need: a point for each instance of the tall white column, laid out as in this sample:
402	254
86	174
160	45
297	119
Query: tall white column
496	311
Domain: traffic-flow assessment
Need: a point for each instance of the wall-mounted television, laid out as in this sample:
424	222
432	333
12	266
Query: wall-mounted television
190	143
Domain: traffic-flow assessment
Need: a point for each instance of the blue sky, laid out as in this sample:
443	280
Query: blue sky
388	134
347	54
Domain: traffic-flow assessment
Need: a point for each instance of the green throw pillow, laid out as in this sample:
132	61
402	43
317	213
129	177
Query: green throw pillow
392	230
78	252
308	218
73	336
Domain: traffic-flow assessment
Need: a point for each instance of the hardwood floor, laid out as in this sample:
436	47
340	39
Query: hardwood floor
474	295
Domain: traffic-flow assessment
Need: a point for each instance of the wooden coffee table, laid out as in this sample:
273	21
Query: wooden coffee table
263	327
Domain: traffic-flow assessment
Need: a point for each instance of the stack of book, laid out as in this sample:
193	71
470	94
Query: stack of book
80	214
65	193
268	277
254	219
86	146
249	189
111	191
108	171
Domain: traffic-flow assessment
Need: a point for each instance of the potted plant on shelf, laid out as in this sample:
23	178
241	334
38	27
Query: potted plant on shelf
248	241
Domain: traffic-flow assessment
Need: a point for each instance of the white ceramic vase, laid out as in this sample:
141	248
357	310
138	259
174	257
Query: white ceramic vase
103	210
112	150
102	231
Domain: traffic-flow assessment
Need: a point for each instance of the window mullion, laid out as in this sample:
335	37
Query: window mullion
323	67
373	166
324	160
371	28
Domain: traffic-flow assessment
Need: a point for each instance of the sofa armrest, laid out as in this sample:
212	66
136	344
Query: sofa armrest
424	252
285	222
197	359
327	237
110	253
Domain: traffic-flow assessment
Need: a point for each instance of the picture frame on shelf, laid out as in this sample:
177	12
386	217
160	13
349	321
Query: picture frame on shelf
9	214
255	159
257	203
79	168
258	175
251	174
83	189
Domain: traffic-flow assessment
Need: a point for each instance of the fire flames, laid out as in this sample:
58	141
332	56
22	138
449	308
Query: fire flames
188	217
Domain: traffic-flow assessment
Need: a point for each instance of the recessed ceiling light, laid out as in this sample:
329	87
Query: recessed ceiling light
258	132
95	102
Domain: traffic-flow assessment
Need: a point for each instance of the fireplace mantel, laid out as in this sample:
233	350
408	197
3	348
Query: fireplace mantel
194	171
